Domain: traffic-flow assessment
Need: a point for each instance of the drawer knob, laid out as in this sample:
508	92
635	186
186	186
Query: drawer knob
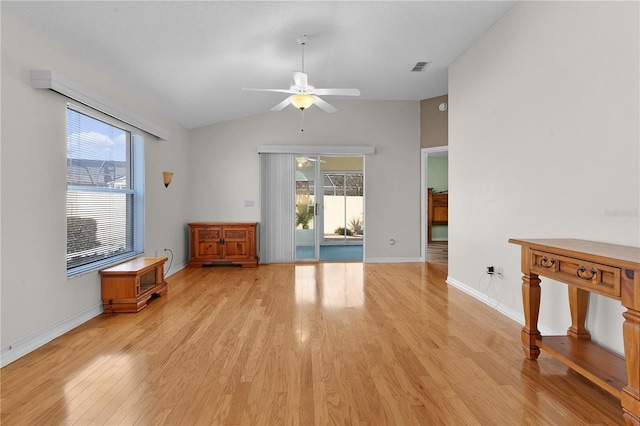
581	270
544	260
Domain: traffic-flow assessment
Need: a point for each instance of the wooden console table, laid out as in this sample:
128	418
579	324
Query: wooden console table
128	286
586	266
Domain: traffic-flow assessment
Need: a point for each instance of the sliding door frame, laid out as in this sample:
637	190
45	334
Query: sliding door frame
265	242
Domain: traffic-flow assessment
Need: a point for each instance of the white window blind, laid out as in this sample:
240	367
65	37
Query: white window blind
104	191
277	203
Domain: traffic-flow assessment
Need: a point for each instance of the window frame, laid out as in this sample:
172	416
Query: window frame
135	223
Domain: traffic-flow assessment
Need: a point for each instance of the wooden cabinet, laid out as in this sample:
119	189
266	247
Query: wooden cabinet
586	267
127	287
437	210
221	243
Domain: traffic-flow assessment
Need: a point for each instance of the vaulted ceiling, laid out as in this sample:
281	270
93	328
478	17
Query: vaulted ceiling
191	59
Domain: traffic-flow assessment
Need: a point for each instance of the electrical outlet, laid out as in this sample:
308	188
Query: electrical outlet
156	255
493	270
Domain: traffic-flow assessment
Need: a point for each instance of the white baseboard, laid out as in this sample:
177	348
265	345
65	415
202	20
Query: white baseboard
33	342
440	239
505	310
391	259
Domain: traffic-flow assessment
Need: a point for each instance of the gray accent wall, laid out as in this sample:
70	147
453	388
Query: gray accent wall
225	166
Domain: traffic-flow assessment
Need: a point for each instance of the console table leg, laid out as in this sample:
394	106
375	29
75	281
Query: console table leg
531	305
578	302
630	395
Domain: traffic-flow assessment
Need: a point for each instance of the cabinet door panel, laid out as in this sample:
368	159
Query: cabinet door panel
236	242
236	250
210	249
209	242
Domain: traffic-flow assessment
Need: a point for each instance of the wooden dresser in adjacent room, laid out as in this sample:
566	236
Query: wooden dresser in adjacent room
437	210
223	243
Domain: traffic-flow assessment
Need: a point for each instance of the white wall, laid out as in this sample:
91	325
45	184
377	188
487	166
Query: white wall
38	300
225	167
544	142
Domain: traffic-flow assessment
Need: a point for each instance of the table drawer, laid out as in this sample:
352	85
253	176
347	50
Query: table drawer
603	279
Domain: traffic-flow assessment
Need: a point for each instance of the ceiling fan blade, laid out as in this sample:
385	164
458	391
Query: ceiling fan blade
338	92
300	79
282	105
269	90
323	105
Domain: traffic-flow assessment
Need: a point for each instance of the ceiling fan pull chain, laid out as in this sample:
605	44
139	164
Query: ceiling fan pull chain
302	121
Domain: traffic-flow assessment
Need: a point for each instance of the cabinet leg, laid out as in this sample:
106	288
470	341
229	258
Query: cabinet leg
531	305
630	395
578	302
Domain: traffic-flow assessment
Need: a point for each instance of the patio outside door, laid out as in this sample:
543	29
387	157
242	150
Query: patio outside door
329	208
306	208
342	208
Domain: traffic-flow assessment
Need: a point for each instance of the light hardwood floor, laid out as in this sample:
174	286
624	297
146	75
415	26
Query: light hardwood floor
438	252
332	343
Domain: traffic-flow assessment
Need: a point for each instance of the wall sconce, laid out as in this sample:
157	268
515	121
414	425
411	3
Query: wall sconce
166	176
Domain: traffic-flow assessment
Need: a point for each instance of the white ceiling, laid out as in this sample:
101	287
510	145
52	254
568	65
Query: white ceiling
191	58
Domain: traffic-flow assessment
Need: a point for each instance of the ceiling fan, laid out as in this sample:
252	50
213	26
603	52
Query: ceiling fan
304	95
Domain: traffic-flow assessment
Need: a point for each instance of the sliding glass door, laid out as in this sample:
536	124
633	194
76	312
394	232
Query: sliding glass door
329	208
306	208
294	189
343	207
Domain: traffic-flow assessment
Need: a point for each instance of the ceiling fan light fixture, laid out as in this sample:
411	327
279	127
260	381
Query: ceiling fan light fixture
302	101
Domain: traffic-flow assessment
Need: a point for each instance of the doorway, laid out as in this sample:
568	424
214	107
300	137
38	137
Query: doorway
434	204
329	208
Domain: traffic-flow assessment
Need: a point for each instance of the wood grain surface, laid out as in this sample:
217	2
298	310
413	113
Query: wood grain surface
332	343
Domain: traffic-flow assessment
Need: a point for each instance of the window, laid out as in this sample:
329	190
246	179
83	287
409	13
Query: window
105	197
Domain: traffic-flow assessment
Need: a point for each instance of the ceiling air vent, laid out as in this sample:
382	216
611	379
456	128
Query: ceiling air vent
420	66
